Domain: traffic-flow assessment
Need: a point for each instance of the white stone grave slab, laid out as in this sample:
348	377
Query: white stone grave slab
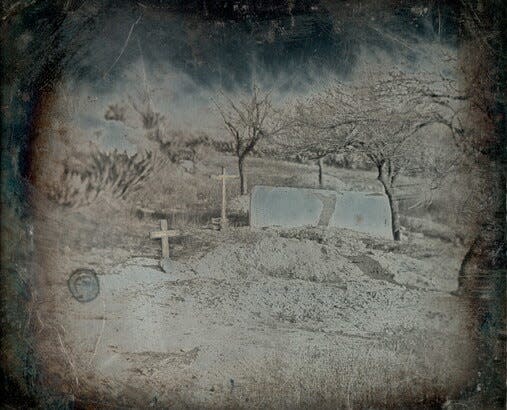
295	207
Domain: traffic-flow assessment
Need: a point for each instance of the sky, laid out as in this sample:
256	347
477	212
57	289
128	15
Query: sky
189	52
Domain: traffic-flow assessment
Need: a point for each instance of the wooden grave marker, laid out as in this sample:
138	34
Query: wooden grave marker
223	176
164	234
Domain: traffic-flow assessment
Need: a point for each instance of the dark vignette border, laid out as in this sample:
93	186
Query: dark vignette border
35	71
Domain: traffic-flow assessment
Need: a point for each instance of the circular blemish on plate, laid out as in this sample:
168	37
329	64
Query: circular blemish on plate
84	285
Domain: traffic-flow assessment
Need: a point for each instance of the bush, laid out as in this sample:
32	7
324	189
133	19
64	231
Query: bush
179	147
432	229
113	173
226	147
116	112
349	160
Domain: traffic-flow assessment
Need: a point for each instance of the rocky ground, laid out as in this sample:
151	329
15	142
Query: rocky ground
249	318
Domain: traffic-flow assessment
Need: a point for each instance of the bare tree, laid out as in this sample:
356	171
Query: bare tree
314	131
478	127
385	114
481	132
249	120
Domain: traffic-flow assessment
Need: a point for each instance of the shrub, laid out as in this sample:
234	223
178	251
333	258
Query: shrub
226	147
116	112
113	173
178	146
348	160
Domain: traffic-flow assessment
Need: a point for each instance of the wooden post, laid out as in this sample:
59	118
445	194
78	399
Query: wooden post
223	215
320	163
164	234
224	197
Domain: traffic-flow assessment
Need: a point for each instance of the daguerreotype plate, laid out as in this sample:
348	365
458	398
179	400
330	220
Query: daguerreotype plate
272	204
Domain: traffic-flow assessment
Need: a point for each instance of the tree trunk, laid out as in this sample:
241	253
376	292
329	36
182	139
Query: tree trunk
242	181
395	214
393	204
482	280
483	266
321	168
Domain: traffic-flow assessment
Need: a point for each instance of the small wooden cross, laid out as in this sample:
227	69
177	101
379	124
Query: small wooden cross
164	234
223	176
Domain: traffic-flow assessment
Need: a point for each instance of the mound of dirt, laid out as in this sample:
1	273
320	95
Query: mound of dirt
241	300
432	229
372	268
278	257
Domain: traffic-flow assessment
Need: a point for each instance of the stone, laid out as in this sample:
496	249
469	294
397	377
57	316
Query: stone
188	165
295	207
172	267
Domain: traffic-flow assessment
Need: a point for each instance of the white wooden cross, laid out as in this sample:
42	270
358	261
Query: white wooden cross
164	234
223	176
